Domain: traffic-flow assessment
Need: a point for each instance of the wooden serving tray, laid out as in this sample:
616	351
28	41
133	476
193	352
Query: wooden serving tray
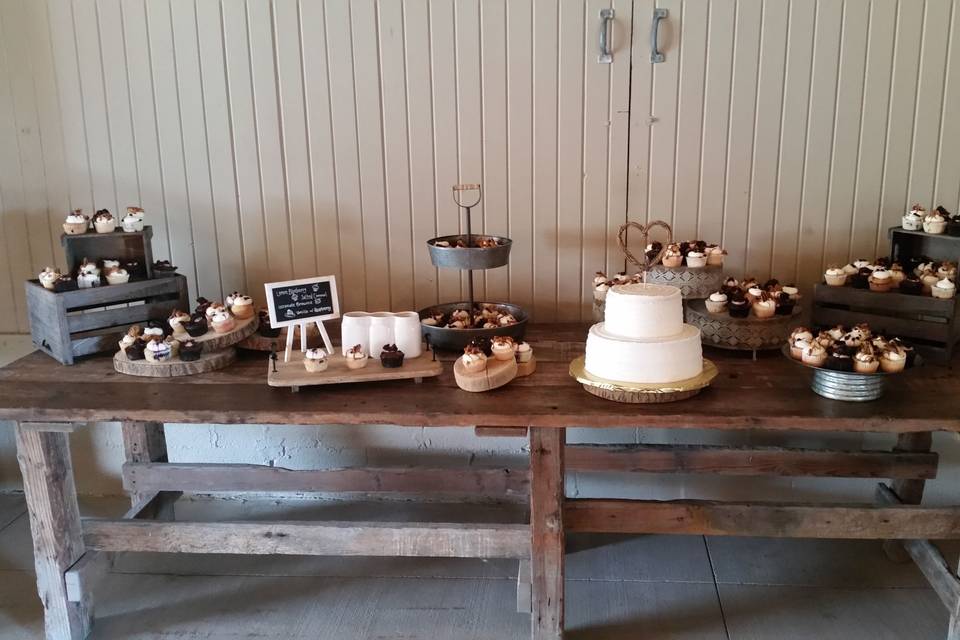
294	375
497	374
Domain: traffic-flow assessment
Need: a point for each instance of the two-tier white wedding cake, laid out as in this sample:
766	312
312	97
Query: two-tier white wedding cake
643	338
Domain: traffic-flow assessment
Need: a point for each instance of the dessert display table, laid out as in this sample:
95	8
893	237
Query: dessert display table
48	401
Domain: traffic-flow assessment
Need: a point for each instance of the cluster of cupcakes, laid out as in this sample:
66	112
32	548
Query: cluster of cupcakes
694	254
504	348
317	360
916	276
602	284
91	273
742	299
477	242
856	350
103	221
489	316
156	342
935	222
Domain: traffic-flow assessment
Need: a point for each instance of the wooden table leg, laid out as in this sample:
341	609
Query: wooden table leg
143	442
909	491
546	531
51	496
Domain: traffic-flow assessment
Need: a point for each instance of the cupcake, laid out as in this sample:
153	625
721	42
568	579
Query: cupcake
893	359
48	277
800	344
860	263
944	289
913	220
909	351
947	270
267	330
715	255
934	222
503	348
731	283
356	358
315	360
765	306
850	270
717	302
118	276
738	306
880	281
174	345
163	269
785	304
835	277
474	359
911	285
135	268
897	274
131	336
137	350
600	291
133	221
862	279
506	320
815	355
839	359
190	350
104	222
696	259
929	281
88	280
210	309
837	332
196	326
825	340
865	361
672	257
177	322
953	226
242	307
524	352
64	283
154	329
158	351
391	357
222	322
76	223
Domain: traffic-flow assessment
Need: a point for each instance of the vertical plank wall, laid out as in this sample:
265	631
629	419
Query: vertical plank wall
285	138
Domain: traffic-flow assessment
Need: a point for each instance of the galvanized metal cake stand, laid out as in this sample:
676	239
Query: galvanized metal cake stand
847	386
642	393
754	334
445	253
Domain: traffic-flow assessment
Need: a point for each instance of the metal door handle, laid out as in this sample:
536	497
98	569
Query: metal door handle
658	15
606	17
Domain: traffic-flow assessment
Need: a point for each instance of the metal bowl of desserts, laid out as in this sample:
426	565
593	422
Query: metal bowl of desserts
848	386
442	337
468	251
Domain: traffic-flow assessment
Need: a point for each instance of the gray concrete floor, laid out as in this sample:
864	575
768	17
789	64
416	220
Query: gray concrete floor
618	587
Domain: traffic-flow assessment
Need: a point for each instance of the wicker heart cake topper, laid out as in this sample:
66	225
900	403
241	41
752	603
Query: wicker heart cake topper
644	230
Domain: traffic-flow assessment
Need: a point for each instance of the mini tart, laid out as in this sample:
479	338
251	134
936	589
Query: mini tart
391	357
356	358
474	360
190	350
503	348
222	322
672	257
315	360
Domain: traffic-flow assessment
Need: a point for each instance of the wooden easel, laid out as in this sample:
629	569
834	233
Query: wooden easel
303	339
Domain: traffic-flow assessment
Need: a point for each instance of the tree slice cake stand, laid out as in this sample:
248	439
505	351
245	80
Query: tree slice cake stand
293	374
640	393
213	341
694	283
175	367
497	374
741	334
257	342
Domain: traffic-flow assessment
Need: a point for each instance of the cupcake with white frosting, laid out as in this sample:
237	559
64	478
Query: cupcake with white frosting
118	275
696	259
76	223
944	289
934	222
222	322
242	306
881	281
158	351
913	220
865	361
893	358
815	355
356	357
178	322
474	359
104	222
129	337
315	360
672	257
717	302
764	306
715	255
48	277
524	352
133	221
835	277
503	348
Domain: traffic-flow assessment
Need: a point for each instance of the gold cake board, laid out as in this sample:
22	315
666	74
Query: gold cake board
640	393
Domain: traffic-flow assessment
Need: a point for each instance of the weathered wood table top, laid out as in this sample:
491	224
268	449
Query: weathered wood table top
770	393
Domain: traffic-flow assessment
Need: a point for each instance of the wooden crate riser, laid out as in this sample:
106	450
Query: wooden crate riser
118	245
82	322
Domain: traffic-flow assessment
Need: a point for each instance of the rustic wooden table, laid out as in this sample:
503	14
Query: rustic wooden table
48	401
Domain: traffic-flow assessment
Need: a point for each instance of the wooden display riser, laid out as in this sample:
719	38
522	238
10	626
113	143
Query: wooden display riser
213	341
208	361
723	331
294	375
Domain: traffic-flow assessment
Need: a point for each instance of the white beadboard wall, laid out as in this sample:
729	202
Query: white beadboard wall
285	138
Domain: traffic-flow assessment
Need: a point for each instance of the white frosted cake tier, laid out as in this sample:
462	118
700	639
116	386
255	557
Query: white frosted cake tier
644	360
644	311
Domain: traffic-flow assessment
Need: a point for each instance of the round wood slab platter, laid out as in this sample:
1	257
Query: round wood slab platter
740	334
175	367
497	374
213	341
640	393
527	368
257	342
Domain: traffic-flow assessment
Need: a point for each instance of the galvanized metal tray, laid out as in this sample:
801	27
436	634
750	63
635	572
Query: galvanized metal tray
457	339
847	386
468	258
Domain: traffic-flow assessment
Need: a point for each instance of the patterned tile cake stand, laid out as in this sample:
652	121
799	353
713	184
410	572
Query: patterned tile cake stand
740	334
639	393
694	284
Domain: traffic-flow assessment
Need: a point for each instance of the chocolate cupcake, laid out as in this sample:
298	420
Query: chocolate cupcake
862	278
135	350
64	283
953	226
911	285
264	328
163	269
739	306
196	326
190	350
135	269
653	251
484	344
163	326
785	304
391	357
839	359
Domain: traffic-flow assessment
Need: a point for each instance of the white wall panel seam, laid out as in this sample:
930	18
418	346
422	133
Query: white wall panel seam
806	134
886	149
336	191
915	112
281	124
726	164
703	121
753	141
156	123
863	98
833	138
783	111
943	107
103	91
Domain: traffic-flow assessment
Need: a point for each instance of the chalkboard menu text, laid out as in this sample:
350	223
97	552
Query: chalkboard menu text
302	301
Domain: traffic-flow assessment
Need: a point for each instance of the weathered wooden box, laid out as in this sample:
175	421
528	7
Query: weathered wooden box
930	324
85	321
117	245
907	244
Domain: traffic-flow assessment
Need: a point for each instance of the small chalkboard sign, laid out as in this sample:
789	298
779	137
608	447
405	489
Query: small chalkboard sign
301	302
